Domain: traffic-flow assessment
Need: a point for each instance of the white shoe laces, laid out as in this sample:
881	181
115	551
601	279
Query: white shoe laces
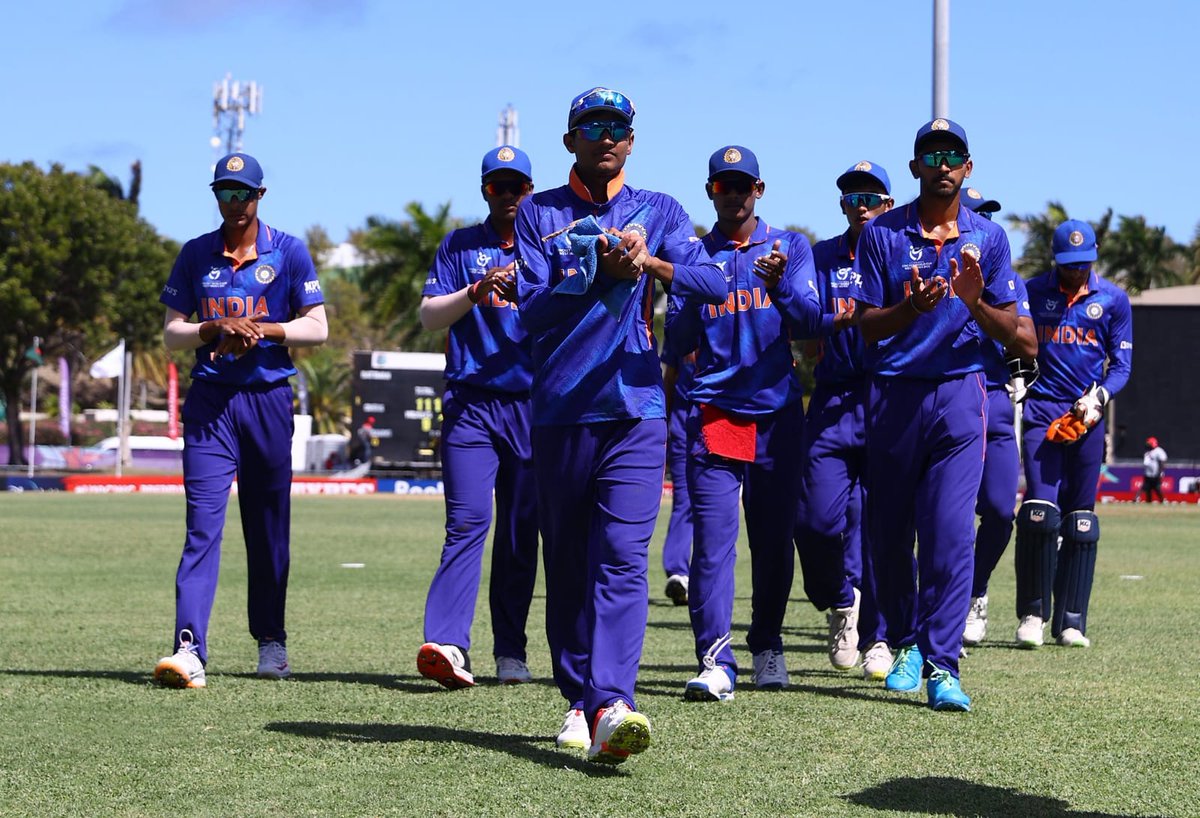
710	656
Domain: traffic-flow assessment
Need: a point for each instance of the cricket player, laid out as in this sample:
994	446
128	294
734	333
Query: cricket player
936	284
828	529
589	254
997	501
678	374
744	428
1085	352
471	291
254	292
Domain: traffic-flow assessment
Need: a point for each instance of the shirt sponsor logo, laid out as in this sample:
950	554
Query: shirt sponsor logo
311	287
1126	345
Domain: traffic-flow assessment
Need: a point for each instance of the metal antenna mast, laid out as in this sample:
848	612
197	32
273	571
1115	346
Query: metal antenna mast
232	101
507	132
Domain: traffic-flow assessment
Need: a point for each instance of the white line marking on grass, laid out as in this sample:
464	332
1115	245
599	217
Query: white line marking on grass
354	565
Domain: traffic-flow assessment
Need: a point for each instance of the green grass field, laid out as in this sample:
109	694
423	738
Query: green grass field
86	606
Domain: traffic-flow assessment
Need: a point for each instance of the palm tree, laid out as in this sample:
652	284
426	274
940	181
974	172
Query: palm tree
398	257
1140	257
327	372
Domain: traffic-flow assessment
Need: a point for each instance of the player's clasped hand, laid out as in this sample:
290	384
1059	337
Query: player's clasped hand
967	282
500	280
771	266
926	295
624	255
237	336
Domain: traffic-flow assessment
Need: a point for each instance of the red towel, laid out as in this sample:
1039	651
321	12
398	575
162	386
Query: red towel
727	435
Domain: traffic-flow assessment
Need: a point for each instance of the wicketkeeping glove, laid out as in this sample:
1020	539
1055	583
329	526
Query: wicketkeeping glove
1090	407
1066	429
1021	375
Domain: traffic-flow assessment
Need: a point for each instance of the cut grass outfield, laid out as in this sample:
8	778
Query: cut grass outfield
86	605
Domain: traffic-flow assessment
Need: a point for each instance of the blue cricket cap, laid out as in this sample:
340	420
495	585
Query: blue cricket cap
940	127
600	99
1074	242
506	157
975	200
238	167
733	158
860	172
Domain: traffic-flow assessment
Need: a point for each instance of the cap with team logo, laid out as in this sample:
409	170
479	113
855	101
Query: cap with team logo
861	172
733	158
975	200
238	167
507	157
600	99
1074	242
940	127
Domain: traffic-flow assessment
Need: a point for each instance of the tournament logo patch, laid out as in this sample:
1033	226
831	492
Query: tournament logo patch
915	253
482	260
1094	311
235	164
972	193
214	273
506	155
972	250
843	273
1051	304
1076	238
634	227
939	125
865	167
264	274
733	156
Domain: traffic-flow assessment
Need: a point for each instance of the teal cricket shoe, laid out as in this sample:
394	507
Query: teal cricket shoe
905	675
946	693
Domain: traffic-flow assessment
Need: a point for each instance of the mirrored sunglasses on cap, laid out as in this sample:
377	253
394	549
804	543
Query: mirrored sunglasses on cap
868	200
604	98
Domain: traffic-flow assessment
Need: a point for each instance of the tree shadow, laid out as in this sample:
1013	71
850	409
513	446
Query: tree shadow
966	799
528	748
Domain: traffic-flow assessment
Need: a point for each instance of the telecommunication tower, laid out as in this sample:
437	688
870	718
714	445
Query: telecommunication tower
232	102
507	132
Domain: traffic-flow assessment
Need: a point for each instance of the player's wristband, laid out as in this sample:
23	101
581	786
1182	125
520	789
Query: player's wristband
473	292
917	309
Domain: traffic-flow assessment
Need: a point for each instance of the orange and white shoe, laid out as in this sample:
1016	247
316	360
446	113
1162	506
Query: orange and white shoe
445	664
183	668
619	732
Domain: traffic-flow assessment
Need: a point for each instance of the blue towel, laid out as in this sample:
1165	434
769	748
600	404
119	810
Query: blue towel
583	238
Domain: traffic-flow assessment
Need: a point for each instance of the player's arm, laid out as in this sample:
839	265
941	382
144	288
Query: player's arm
1024	345
540	308
670	376
794	289
1120	346
878	323
999	321
682	266
179	333
441	311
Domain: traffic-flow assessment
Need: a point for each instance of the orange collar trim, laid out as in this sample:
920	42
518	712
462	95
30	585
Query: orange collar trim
614	187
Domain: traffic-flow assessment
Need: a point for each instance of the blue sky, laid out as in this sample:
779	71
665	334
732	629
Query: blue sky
370	104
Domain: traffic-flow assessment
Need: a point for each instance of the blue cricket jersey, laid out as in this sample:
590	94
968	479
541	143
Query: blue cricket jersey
685	372
841	358
279	281
595	356
487	347
946	342
1076	339
744	361
995	360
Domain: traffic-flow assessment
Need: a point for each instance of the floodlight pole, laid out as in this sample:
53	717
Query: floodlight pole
941	59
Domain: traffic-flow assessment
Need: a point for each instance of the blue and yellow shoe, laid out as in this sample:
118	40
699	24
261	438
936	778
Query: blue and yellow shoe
946	693
905	675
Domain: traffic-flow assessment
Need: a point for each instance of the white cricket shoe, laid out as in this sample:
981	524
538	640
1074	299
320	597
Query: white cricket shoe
1029	632
1073	638
677	589
713	684
512	671
620	732
183	668
843	635
273	661
770	670
877	662
574	734
976	627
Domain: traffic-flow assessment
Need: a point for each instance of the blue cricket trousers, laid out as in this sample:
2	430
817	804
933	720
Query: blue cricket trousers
997	500
244	431
485	451
677	547
599	488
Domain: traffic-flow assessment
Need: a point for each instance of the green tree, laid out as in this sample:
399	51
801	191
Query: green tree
327	372
75	262
1038	254
398	256
1139	257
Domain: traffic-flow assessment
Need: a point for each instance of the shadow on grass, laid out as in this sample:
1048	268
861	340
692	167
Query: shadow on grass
529	748
127	676
952	796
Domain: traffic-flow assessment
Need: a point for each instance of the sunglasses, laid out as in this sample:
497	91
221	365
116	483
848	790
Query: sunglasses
952	159
235	194
1080	267
740	186
604	98
515	188
868	200
595	131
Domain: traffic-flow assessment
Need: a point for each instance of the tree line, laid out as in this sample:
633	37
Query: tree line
80	268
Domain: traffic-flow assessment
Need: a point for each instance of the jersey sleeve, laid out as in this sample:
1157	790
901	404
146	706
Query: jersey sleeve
177	293
443	278
1120	346
305	286
999	286
683	329
870	268
542	309
693	276
796	295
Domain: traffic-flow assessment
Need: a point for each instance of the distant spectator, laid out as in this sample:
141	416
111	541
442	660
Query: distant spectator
1152	470
364	442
